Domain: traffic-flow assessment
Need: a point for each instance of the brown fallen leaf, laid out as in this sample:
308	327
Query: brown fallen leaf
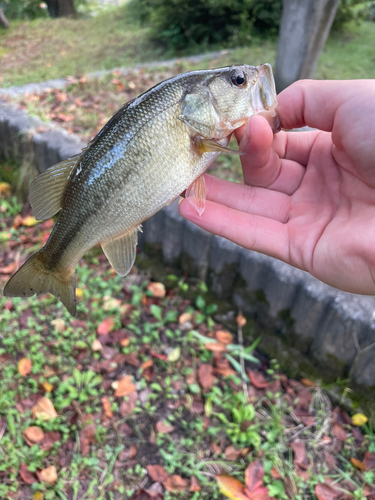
205	376
224	337
308	383
184	318
107	407
300	456
241	320
324	491
24	366
106	326
194	485
259	494
87	435
369	460
33	435
357	464
175	484
50	438
339	432
257	379
27	476
124	387
127	407
215	346
231	453
44	409
157	289
254	475
231	487
157	473
48	475
164	427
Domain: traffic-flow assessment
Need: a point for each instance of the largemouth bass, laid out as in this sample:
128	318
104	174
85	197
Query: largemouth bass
154	148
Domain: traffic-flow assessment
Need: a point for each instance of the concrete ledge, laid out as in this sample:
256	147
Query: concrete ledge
334	330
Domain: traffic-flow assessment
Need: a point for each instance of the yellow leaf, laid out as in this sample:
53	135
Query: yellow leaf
29	221
79	293
231	487
5	189
44	409
174	354
359	419
47	386
48	475
38	495
24	366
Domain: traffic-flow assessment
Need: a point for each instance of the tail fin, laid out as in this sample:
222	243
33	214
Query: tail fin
33	277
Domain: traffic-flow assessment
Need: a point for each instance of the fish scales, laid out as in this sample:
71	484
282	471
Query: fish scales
152	150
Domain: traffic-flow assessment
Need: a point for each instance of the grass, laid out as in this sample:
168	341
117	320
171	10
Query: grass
200	403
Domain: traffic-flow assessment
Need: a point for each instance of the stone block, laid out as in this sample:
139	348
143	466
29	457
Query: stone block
153	229
174	226
223	260
53	146
196	247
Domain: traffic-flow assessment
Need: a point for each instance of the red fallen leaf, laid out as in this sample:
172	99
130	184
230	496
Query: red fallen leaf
241	320
231	453
254	475
128	453
175	484
326	492
257	379
164	428
300	457
194	485
369	460
128	406
224	337
339	416
106	326
27	476
87	435
8	269
107	407
369	491
339	432
131	359
205	376
259	494
50	438
157	473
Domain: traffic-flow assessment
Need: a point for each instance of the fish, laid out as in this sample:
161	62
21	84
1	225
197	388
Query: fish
154	148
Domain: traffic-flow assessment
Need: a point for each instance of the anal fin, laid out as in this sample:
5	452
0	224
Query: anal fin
46	190
121	251
196	194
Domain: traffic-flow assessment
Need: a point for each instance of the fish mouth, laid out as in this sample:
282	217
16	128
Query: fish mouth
264	98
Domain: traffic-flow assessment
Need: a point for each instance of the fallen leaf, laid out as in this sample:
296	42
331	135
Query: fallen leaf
300	457
175	484
257	379
50	438
29	221
33	435
185	317
44	409
308	383
254	475
231	453
357	464
157	473
107	407
224	337
27	476
157	289
38	495
125	387
174	354
231	487
339	432
96	345
163	427
87	435
215	346
147	364
106	326
24	366
359	419
261	493
48	475
79	293
47	386
369	460
9	269
326	492
128	406
58	324
194	485
205	376
5	189
274	473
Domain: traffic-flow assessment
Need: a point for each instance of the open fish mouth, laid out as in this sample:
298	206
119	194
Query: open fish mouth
263	96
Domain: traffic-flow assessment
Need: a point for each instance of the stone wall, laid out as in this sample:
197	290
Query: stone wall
302	318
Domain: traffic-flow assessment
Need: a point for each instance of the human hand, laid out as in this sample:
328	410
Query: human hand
308	197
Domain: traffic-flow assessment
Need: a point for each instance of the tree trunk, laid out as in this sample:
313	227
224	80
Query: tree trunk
3	20
61	8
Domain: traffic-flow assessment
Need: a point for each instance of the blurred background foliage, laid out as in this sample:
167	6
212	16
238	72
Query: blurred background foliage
229	23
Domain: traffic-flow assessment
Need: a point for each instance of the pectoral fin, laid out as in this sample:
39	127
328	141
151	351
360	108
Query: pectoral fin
210	146
46	190
196	194
121	251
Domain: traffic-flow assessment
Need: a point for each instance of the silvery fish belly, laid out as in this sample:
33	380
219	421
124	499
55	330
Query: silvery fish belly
155	147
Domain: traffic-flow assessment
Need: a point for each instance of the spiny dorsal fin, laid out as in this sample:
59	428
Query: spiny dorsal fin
121	251
47	189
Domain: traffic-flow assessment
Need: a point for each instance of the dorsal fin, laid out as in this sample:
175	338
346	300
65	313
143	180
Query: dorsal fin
47	189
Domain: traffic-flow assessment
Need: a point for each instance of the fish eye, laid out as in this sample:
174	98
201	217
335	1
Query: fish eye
238	78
